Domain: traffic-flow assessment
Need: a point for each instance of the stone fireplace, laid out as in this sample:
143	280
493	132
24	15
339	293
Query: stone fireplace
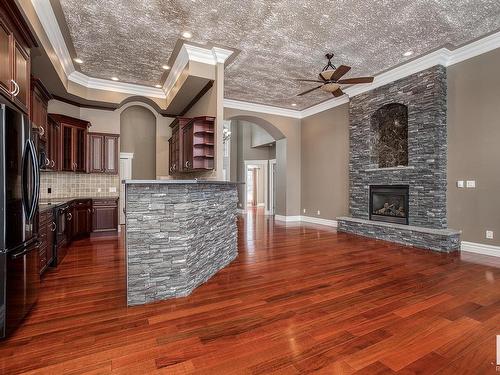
398	141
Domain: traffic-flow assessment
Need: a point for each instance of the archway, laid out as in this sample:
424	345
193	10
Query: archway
138	136
258	150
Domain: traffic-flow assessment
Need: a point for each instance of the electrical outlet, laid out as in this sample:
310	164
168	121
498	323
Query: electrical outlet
471	184
99	190
49	190
319	212
460	184
112	189
304	210
489	234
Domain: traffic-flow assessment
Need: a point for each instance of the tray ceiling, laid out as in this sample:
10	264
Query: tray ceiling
279	40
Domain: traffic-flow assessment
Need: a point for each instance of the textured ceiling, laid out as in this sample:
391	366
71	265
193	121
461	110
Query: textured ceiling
279	40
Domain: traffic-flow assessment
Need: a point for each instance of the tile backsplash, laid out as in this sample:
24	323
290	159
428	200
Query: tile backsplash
70	184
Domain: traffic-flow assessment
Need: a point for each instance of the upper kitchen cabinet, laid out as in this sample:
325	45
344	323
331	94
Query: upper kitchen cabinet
39	102
198	144
103	153
16	41
72	143
192	146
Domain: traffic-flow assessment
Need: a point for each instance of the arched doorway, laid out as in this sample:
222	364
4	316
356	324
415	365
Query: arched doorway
138	137
257	157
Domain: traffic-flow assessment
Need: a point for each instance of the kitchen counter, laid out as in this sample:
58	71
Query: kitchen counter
49	204
179	233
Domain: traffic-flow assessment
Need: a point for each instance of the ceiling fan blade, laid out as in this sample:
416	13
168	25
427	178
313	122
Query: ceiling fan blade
339	72
356	80
308	80
308	91
338	93
321	78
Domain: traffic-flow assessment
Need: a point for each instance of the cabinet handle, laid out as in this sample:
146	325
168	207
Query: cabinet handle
70	216
52	227
52	163
41	130
16	88
186	164
47	162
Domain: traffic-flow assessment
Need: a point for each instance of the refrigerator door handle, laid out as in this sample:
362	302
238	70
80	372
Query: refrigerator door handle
36	179
25	251
24	181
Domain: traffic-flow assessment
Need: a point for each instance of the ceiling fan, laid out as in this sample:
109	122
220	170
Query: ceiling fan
330	78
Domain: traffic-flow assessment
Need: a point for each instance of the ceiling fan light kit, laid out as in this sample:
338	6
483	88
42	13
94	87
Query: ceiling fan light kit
330	78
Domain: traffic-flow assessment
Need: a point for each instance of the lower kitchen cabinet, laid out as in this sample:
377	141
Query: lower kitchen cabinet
105	215
81	211
47	228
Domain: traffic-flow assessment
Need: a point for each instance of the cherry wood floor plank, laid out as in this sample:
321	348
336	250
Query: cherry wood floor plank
300	298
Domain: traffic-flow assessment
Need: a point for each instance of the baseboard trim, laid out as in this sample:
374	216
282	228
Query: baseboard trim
479	248
307	219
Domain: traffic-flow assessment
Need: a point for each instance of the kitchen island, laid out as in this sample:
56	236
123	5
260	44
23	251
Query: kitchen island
178	234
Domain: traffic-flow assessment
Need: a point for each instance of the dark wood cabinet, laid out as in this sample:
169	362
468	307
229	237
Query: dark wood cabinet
46	231
103	153
16	40
53	144
105	215
81	211
72	142
192	145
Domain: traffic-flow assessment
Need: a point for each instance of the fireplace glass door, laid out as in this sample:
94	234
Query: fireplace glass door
389	203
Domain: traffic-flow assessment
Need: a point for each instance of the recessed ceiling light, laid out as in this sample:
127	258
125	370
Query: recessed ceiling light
158	86
294	104
187	35
326	15
166	67
408	53
214	10
78	61
115	78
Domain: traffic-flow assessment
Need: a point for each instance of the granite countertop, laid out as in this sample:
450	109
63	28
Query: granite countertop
47	204
181	182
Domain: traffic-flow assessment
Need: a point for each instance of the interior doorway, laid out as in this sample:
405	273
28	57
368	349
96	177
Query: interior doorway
256	185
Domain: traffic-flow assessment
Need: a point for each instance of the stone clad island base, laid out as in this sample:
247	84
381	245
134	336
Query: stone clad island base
178	235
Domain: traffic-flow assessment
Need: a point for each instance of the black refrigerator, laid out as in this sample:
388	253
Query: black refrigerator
19	192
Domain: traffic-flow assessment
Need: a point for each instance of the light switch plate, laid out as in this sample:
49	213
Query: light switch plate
99	190
489	234
460	184
304	210
319	212
112	189
471	184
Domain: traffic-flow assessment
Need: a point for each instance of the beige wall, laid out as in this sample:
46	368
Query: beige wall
325	163
138	136
474	146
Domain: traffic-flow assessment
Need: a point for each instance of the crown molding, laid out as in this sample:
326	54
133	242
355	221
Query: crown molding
261	108
48	19
126	88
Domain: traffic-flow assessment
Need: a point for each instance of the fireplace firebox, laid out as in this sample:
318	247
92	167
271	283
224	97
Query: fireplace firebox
389	203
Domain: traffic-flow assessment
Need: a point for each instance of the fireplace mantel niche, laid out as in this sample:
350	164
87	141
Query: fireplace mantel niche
415	107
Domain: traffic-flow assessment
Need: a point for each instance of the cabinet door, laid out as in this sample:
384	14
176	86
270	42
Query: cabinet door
187	147
81	220
105	218
22	76
96	153
5	59
111	154
67	141
54	143
79	150
51	237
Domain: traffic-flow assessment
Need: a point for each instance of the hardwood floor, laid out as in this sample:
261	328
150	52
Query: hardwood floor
298	299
